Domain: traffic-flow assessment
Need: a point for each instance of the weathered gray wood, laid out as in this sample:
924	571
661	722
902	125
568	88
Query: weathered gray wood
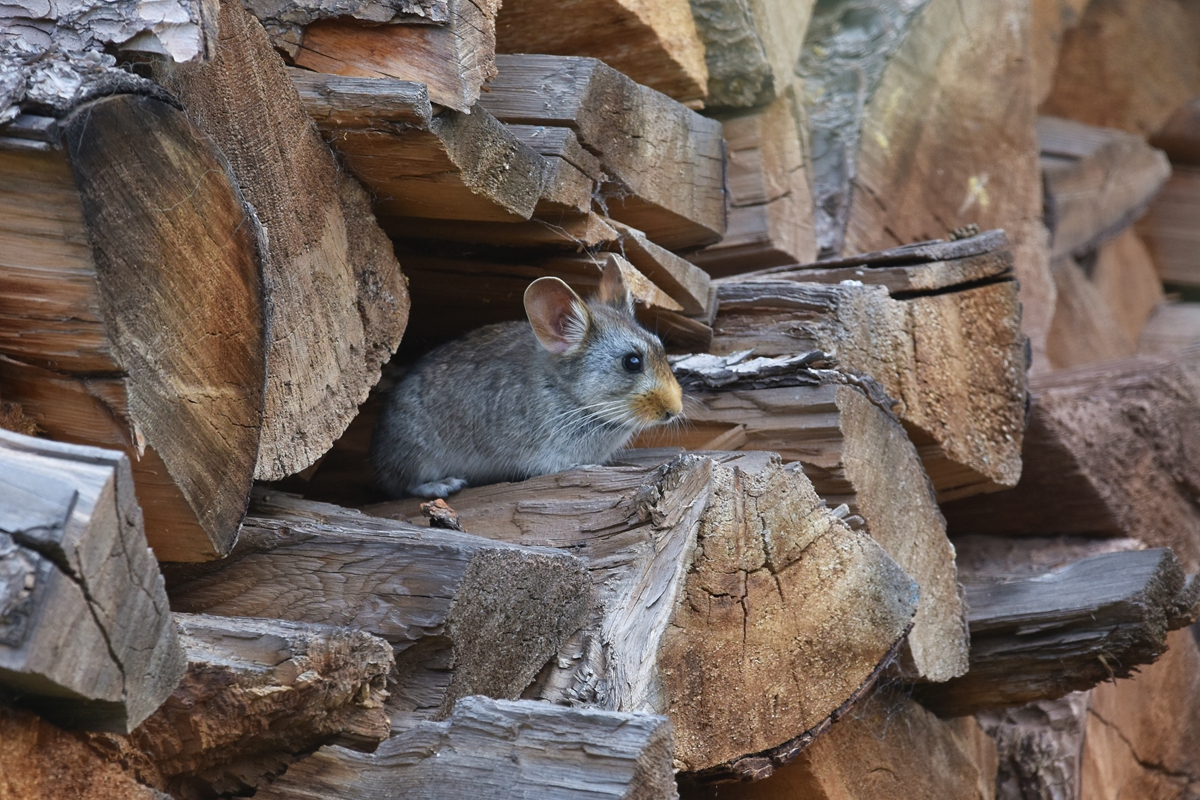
1098	181
338	303
1111	450
494	749
665	162
1091	621
86	638
719	590
258	693
465	615
953	356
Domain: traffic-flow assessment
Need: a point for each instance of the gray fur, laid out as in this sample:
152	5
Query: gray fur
496	405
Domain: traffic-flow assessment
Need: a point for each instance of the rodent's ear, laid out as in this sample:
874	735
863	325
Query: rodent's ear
613	290
559	317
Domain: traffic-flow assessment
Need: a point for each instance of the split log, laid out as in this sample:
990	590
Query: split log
496	748
891	747
39	760
905	147
1169	228
285	20
131	301
686	283
85	635
1124	275
563	232
454	57
962	402
448	166
1171	328
1128	65
257	694
463	614
666	164
1039	746
1040	637
771	205
1097	182
1110	450
338	302
654	43
751	48
855	453
720	589
1049	21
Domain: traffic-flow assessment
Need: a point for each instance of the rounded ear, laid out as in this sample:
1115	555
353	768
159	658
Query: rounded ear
560	319
613	290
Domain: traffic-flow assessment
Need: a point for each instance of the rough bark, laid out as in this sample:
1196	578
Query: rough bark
463	614
1097	182
654	42
770	197
1040	637
1039	745
962	400
257	694
131	312
857	454
720	591
666	164
338	302
1111	450
86	637
497	749
453	59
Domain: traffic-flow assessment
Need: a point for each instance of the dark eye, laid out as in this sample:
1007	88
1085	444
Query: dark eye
632	362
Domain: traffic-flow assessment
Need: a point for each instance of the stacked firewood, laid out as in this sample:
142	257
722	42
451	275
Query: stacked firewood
931	528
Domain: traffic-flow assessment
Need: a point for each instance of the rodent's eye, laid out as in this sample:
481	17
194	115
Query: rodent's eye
632	362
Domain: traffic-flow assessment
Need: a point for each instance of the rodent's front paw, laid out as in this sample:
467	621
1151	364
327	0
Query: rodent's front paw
442	488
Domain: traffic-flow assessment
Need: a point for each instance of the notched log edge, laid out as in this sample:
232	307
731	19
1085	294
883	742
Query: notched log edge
756	766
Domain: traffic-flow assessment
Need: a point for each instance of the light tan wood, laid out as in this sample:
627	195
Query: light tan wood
771	207
1119	49
454	59
654	42
496	748
1085	329
138	324
1125	278
891	747
1109	451
725	622
1049	22
665	162
948	139
962	402
686	283
338	302
1168	230
257	694
464	615
858	454
85	635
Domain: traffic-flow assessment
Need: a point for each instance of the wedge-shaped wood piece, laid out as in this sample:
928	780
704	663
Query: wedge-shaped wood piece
1085	329
857	453
1098	181
454	57
665	163
338	302
86	638
1091	621
654	43
962	400
417	164
907	148
890	747
751	48
686	283
257	694
770	197
498	748
1168	230
720	589
1111	450
131	306
465	615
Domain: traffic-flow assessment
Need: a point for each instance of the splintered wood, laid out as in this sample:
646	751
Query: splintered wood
720	591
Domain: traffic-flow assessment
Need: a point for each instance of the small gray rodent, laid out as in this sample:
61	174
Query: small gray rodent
510	401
